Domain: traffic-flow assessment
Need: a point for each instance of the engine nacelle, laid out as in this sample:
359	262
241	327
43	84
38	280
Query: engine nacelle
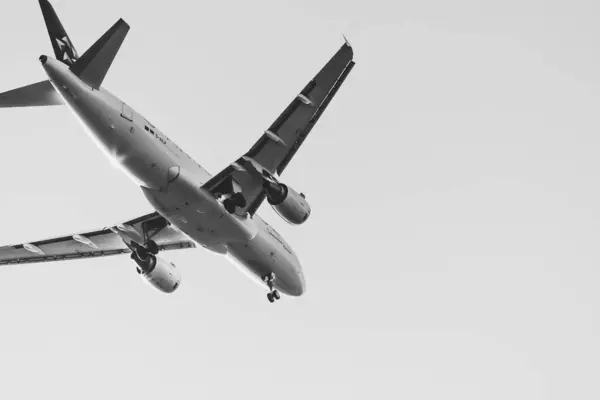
161	274
286	202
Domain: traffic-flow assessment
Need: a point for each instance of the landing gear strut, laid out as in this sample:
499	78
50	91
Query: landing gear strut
152	247
142	252
273	293
144	256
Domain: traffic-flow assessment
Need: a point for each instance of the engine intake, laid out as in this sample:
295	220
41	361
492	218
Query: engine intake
286	202
160	273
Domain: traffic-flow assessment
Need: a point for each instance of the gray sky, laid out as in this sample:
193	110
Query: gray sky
452	250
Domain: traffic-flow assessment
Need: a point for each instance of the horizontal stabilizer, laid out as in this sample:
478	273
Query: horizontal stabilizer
35	95
95	63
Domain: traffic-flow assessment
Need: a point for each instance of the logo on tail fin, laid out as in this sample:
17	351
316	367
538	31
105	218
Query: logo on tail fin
68	54
63	48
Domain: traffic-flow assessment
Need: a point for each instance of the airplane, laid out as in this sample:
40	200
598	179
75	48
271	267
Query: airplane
192	207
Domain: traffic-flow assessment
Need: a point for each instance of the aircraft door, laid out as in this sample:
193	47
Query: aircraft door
127	112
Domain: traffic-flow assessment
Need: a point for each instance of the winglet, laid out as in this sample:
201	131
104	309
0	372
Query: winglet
93	66
346	40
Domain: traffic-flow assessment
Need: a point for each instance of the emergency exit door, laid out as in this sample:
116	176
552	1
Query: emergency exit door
127	112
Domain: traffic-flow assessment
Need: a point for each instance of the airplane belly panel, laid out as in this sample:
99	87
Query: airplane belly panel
200	215
261	257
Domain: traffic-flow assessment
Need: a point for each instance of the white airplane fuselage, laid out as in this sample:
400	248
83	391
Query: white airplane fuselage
172	182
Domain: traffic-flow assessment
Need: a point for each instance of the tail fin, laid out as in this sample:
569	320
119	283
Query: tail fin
90	68
95	63
61	43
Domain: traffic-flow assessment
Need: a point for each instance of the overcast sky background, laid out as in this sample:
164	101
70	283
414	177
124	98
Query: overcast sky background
455	183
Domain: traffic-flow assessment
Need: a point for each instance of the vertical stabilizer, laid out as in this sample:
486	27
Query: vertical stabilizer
61	43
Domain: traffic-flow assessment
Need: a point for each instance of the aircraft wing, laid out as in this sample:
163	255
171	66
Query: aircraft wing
100	243
278	145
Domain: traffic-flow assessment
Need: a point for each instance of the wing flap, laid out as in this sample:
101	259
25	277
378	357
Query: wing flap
99	243
300	116
277	146
301	136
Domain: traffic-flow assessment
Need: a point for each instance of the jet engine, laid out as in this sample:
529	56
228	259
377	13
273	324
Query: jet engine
286	202
161	274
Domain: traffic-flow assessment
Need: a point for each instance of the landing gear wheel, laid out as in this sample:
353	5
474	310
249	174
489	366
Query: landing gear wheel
144	253
273	293
229	205
141	253
238	199
152	247
270	281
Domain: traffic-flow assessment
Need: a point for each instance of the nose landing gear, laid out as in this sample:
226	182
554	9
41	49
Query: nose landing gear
273	296
273	293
